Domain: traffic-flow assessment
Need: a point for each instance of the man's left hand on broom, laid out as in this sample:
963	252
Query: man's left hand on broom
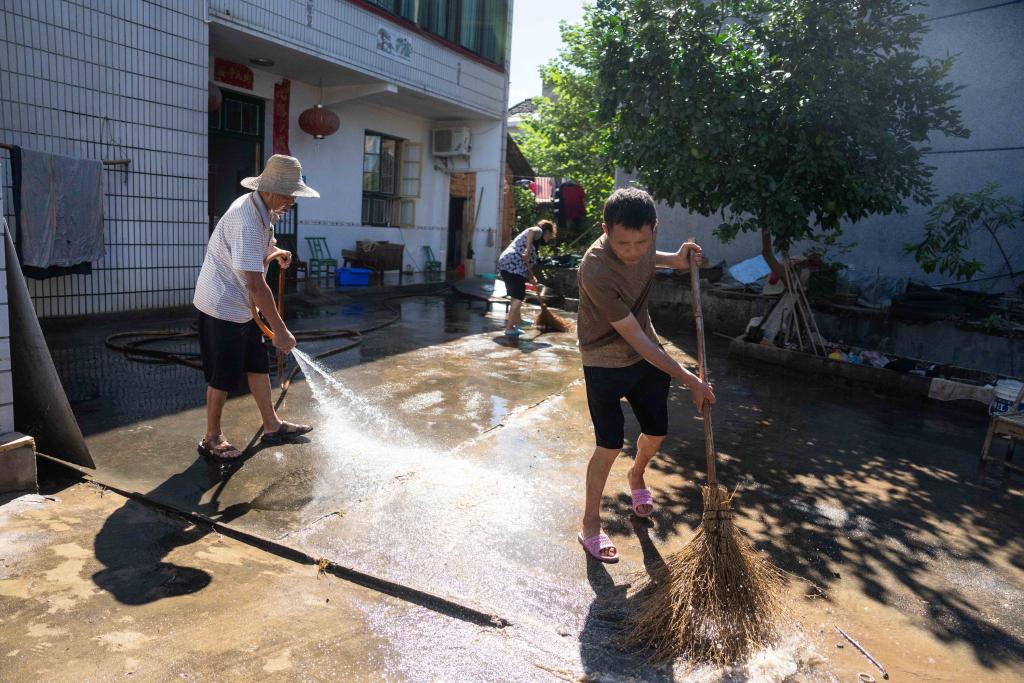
680	260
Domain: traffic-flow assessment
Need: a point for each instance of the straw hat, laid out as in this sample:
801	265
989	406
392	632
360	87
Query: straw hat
281	175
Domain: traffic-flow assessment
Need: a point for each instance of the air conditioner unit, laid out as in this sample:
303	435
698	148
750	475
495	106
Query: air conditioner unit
451	142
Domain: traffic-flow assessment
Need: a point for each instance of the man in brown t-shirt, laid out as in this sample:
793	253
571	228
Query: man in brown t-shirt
622	357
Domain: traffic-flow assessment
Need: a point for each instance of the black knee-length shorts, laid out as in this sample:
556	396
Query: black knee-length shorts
230	350
515	285
644	386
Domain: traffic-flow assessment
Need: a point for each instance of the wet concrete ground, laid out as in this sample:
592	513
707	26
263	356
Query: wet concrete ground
448	462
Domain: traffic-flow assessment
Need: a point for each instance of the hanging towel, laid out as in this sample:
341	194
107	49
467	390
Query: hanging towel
58	203
545	189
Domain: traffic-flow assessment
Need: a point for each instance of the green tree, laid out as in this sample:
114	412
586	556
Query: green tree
528	211
787	117
565	139
950	227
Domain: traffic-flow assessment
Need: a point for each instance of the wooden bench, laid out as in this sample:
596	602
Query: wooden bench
377	256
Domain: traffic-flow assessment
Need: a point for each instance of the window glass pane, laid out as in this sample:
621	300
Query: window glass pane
439	17
250	120
371	163
366	210
470	24
387	166
371	144
407	213
232	115
409	9
371	182
492	45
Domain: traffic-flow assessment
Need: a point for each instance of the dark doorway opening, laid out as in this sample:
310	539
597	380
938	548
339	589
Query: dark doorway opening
236	152
236	149
456	215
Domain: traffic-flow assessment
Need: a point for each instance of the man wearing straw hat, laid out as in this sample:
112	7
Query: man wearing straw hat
230	283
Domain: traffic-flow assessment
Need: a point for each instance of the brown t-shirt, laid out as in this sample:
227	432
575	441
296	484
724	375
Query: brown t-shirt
609	291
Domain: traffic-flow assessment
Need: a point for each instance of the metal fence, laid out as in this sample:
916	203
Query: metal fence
155	236
155	233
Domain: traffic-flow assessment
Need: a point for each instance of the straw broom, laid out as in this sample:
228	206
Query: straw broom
717	600
548	321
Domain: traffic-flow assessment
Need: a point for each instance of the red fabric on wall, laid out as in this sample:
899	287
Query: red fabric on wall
232	73
282	96
572	202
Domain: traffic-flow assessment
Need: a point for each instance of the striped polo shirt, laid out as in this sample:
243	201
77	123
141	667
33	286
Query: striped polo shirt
242	240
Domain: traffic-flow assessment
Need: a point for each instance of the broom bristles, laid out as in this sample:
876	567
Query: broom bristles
551	322
715	601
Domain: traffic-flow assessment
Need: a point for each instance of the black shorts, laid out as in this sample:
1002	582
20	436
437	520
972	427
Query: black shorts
229	350
515	285
642	384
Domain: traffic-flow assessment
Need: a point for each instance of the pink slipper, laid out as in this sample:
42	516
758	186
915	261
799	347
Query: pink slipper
595	544
642	497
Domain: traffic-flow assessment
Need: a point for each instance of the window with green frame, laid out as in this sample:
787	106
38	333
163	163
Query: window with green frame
380	156
477	25
392	173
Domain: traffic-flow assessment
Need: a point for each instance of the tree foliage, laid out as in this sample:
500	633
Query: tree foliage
788	117
950	227
528	211
565	140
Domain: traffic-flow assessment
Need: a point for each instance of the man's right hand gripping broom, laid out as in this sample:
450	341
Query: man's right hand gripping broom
702	393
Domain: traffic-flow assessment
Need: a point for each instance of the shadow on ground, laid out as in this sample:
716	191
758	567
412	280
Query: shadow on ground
133	542
838	479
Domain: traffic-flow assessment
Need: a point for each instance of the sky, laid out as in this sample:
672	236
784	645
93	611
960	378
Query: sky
536	40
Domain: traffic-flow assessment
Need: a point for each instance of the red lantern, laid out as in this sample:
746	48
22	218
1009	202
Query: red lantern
215	97
319	122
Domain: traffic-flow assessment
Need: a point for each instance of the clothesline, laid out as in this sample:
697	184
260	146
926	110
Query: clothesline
105	162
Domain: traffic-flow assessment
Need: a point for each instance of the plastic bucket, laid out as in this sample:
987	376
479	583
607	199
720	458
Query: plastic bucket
1006	392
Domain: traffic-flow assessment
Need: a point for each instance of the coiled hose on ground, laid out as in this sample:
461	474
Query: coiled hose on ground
137	344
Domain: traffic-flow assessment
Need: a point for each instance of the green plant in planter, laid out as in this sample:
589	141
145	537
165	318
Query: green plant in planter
994	324
952	224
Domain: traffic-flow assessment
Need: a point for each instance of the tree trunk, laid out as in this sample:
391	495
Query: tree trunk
769	255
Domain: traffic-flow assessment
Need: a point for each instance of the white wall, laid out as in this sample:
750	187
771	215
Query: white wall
347	33
987	42
104	79
333	166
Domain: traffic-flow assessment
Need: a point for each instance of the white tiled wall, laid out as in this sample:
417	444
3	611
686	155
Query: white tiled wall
116	79
6	391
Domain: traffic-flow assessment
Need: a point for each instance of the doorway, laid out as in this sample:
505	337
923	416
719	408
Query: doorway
456	215
236	150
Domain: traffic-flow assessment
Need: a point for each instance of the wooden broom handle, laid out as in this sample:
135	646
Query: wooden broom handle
267	332
702	367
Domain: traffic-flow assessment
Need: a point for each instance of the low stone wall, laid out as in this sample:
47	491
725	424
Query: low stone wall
938	342
728	312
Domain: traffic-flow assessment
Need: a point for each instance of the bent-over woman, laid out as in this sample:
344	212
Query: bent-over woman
516	267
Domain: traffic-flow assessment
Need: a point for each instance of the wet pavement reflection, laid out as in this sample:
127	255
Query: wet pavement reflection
448	460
